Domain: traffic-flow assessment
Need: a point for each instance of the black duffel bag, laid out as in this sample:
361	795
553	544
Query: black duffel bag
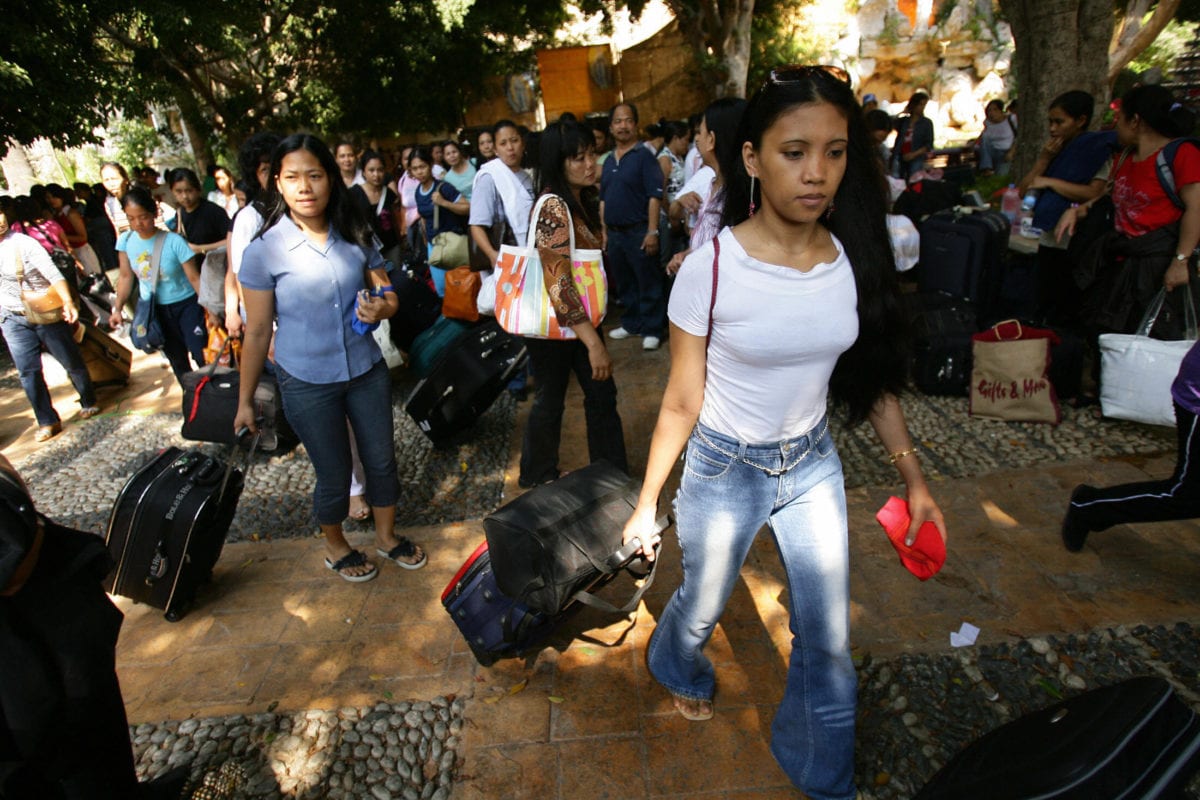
555	543
210	403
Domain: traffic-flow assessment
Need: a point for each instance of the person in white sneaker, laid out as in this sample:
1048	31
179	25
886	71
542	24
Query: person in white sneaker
631	190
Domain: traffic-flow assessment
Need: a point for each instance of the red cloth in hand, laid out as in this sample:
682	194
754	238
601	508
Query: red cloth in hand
927	554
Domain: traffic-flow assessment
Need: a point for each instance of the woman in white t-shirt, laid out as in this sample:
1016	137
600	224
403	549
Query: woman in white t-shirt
804	303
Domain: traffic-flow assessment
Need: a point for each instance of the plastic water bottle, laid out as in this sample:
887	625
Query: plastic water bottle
1010	205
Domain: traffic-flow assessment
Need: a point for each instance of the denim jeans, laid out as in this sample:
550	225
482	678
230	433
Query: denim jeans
318	413
184	332
553	362
641	281
25	344
993	158
728	490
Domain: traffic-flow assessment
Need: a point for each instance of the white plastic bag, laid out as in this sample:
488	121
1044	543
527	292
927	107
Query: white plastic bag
1136	372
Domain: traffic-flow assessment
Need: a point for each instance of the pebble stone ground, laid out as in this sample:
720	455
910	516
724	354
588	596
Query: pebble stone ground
915	710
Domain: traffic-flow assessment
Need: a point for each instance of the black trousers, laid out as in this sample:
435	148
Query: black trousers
552	363
1177	497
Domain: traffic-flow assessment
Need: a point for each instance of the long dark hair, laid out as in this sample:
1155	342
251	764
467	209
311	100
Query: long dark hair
559	142
877	363
343	215
1158	108
722	118
1077	103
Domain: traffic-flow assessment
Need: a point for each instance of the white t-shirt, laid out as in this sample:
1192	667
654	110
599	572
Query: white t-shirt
777	334
245	225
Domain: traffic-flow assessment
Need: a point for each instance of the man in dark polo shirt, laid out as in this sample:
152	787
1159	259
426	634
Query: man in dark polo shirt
631	187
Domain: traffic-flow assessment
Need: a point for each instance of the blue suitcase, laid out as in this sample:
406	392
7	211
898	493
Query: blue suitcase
495	626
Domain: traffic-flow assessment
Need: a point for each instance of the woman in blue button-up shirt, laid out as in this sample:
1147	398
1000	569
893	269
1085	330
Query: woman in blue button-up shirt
309	270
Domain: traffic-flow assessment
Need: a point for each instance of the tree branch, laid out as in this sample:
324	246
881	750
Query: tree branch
1127	50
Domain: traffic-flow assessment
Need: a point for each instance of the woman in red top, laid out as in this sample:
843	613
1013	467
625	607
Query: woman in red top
1155	237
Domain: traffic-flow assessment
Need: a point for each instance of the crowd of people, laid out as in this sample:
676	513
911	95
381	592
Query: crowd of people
751	238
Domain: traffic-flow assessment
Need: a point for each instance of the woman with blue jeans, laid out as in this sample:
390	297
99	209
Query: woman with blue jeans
306	270
794	298
26	340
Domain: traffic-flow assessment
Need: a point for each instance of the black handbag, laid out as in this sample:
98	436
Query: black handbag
146	332
556	542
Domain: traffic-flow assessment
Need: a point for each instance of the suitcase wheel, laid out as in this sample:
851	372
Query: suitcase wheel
173	615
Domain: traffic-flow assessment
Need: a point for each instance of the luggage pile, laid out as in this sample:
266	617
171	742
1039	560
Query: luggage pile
966	283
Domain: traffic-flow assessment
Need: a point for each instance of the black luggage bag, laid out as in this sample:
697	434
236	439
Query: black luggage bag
926	197
961	252
466	381
419	305
494	625
554	544
942	329
168	526
1135	740
210	403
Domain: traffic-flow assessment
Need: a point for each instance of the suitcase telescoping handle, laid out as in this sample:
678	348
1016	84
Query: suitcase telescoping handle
233	449
619	559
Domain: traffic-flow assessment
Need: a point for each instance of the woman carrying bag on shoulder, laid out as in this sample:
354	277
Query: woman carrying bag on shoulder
171	284
567	171
25	271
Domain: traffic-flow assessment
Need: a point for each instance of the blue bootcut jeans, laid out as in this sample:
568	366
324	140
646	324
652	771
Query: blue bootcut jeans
318	413
25	342
729	489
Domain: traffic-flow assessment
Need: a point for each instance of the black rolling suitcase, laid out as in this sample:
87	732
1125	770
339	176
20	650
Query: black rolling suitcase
942	328
494	625
466	380
555	544
962	252
1135	740
168	526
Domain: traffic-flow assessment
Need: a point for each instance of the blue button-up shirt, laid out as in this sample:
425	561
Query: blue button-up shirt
315	288
626	186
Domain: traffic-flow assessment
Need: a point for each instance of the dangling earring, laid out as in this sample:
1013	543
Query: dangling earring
829	211
752	179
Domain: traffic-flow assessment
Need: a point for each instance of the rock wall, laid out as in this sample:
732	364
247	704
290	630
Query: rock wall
959	54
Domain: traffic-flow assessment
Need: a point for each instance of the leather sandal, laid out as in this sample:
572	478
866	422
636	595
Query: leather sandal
47	432
693	709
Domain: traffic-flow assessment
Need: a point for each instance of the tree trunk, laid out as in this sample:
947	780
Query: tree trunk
196	127
1065	39
719	32
18	172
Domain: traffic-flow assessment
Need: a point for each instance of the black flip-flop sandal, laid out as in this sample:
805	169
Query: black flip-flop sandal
354	558
405	549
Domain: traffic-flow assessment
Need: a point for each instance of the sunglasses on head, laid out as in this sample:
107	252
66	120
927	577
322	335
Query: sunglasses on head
795	73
